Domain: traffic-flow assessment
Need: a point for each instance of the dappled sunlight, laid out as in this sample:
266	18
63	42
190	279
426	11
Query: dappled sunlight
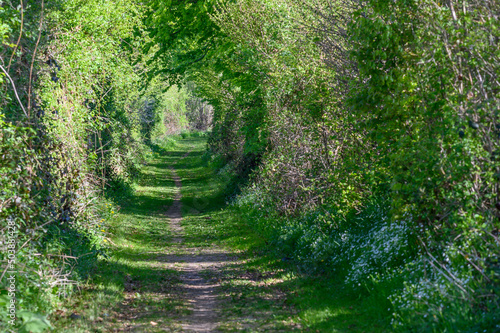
186	261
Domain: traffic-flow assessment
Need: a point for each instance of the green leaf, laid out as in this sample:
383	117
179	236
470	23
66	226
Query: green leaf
33	322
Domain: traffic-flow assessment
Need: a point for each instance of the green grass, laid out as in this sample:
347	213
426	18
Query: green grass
137	234
259	291
272	294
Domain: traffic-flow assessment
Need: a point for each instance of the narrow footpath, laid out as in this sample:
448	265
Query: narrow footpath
199	293
181	260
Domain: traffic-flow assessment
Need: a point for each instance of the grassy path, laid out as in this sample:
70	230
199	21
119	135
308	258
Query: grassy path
182	261
197	291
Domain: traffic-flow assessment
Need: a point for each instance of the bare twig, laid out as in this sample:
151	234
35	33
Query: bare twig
474	265
450	277
20	35
15	90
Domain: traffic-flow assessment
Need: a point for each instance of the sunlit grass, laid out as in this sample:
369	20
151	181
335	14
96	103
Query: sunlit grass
259	290
133	281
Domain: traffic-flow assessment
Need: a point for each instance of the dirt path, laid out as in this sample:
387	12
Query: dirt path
199	293
164	274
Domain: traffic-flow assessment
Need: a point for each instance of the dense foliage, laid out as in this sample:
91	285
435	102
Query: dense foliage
76	120
369	133
362	137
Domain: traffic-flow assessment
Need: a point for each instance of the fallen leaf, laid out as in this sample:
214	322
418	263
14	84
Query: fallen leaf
153	323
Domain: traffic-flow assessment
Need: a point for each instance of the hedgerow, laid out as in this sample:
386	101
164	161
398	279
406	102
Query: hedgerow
364	138
76	122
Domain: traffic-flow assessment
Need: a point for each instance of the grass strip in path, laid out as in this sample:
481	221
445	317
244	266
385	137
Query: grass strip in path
199	292
261	291
205	269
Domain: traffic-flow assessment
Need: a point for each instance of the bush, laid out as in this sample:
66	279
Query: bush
73	128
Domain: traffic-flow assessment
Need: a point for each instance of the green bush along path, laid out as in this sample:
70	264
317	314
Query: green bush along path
181	260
